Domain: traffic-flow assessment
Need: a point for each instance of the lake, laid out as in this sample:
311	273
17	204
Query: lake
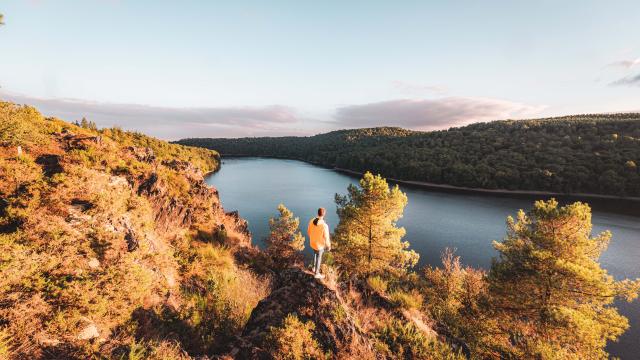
434	220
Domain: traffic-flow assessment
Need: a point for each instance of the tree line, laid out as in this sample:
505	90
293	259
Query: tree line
596	154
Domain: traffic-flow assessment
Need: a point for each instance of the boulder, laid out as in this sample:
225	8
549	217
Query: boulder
89	332
94	263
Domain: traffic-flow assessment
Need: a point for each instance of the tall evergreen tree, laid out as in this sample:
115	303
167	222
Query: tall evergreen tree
285	241
548	284
367	239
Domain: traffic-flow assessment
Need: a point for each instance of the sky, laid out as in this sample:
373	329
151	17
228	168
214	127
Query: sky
176	69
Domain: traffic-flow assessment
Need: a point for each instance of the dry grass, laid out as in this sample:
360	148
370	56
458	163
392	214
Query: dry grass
406	299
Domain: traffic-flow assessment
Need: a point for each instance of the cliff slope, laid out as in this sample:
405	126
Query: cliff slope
111	244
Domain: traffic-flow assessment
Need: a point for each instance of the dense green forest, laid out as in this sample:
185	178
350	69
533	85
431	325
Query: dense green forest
596	154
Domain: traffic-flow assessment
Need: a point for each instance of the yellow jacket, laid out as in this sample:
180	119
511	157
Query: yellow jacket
318	234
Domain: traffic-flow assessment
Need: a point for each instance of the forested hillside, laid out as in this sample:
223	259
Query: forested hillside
596	154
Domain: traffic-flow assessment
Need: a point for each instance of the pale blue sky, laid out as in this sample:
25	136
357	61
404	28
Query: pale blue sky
206	68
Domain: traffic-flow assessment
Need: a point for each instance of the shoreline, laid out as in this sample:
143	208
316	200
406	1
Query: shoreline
429	185
453	188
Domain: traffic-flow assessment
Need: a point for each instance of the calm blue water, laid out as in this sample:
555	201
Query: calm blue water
433	220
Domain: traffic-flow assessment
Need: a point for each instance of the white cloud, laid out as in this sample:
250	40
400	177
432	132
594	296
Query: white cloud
431	114
171	123
627	64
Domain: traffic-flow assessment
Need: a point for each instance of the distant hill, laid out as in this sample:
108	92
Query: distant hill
596	154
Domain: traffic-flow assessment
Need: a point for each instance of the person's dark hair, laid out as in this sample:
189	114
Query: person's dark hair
321	212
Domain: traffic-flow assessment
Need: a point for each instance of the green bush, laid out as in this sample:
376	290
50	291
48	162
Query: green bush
293	340
406	300
21	125
377	284
220	296
398	340
137	351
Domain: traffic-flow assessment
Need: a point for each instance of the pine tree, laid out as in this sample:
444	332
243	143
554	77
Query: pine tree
285	241
456	296
367	239
549	286
84	123
20	125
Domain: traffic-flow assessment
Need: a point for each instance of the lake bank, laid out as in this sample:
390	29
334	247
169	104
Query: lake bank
460	189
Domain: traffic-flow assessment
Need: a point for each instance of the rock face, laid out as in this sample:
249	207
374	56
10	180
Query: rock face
240	224
184	167
298	292
172	212
144	154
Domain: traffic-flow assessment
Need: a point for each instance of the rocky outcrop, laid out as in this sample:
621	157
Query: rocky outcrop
297	291
241	225
70	141
143	154
171	211
184	167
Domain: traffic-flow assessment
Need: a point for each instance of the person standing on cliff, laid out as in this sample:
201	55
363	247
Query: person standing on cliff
318	232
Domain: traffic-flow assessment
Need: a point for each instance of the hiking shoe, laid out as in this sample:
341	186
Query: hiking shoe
319	276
